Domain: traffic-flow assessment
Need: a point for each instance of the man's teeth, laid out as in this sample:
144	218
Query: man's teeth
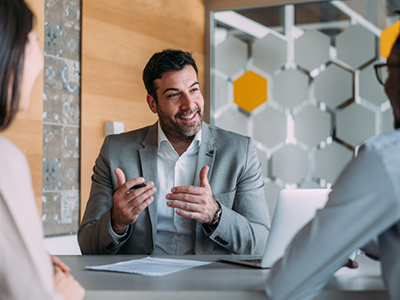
189	116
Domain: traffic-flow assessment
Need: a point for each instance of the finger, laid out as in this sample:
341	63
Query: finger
137	186
182	205
187	189
59	263
185	197
351	264
139	195
142	206
120	177
57	271
190	215
203	177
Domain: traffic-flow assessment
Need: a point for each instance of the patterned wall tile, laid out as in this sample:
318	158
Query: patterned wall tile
60	157
60	214
62	28
61	117
61	91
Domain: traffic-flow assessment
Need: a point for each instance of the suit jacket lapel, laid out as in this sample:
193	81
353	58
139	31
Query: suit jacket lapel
206	154
148	161
206	157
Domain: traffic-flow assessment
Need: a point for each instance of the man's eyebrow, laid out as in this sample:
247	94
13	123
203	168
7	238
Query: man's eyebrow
175	89
170	89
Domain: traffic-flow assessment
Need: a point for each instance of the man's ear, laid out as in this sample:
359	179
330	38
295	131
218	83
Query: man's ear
152	103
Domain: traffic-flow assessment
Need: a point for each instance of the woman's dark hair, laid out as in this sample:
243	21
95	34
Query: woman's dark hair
15	24
162	62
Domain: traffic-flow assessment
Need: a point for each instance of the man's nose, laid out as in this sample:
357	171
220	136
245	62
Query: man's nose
187	102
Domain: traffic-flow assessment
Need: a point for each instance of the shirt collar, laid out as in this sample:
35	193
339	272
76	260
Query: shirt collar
161	137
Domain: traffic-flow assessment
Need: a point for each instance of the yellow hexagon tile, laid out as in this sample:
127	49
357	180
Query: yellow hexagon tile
250	91
388	38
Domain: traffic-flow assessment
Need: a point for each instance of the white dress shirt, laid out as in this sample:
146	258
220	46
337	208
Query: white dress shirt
174	233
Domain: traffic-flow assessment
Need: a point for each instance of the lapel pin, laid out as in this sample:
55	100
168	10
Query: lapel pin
210	153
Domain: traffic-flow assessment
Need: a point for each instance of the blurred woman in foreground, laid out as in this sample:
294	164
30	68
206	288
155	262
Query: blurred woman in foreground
26	270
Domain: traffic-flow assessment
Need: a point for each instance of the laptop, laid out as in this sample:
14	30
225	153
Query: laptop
294	209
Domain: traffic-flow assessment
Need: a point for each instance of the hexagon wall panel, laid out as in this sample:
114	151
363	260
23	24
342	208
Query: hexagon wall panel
334	68
312	49
355	124
221	92
271	195
333	86
270	127
262	156
269	53
250	91
290	164
233	120
388	38
355	46
291	88
370	88
331	160
387	121
231	56
312	125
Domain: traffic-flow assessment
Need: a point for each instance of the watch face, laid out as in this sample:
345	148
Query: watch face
217	216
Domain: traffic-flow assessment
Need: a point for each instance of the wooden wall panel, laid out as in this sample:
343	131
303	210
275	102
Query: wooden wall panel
118	38
27	130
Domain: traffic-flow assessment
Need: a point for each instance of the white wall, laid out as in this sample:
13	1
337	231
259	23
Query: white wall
62	245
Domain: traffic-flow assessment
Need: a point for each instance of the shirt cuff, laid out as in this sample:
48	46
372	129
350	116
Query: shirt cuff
117	237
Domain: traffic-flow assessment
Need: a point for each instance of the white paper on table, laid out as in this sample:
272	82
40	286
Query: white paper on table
151	266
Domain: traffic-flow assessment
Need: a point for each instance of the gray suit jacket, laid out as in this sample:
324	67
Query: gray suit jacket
235	178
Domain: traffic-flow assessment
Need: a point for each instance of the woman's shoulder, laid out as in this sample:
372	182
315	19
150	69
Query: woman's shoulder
9	152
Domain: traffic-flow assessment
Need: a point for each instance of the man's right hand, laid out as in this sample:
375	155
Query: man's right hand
128	205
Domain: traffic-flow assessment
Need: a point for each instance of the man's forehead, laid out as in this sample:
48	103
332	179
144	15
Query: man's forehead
172	77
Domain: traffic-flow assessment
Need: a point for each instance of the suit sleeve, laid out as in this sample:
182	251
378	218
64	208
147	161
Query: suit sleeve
244	227
361	205
94	236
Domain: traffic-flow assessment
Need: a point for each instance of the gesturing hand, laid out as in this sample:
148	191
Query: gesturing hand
194	202
128	205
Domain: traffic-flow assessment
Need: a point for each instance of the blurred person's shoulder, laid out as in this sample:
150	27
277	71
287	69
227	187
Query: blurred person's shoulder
384	142
9	152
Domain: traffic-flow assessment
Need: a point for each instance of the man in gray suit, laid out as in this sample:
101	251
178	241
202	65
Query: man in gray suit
205	192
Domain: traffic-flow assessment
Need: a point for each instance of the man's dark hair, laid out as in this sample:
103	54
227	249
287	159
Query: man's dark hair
15	25
165	61
397	43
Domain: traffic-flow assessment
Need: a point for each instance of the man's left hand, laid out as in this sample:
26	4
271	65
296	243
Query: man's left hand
194	202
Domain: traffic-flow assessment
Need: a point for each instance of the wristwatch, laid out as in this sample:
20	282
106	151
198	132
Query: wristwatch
217	217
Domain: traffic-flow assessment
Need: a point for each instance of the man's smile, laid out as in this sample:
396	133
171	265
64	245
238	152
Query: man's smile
188	117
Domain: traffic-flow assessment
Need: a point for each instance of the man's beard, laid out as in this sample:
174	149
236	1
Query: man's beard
176	131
